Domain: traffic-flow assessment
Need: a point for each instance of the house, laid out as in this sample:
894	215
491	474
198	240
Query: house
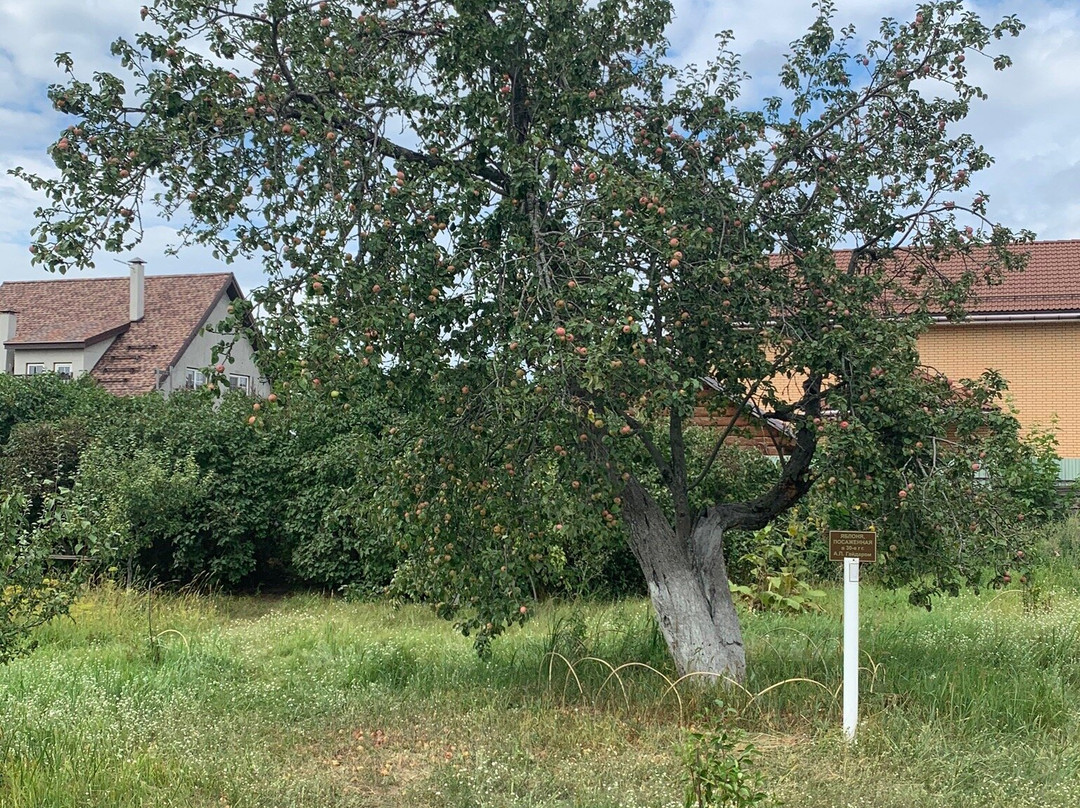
132	334
1028	328
748	426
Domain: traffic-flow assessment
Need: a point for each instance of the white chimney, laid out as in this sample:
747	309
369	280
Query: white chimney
137	304
7	331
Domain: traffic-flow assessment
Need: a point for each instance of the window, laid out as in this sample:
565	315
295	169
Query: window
194	378
62	369
35	368
238	381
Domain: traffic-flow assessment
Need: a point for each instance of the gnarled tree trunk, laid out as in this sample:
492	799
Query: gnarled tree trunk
683	562
688	585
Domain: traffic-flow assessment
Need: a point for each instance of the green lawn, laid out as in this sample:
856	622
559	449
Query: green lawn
304	701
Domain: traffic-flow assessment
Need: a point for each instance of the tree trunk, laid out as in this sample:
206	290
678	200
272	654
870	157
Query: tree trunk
688	586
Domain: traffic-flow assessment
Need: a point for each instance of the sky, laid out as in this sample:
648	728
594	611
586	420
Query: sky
1030	124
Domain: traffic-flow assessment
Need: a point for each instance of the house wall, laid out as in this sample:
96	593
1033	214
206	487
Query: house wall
49	357
749	432
82	360
94	352
199	353
1040	361
7	331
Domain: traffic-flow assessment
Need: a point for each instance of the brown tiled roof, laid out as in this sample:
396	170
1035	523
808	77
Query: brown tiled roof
88	310
1050	283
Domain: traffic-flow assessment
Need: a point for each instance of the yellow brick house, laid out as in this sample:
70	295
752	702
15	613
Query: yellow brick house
1028	329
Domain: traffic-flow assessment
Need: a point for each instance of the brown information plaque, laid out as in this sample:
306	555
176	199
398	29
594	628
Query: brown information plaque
860	544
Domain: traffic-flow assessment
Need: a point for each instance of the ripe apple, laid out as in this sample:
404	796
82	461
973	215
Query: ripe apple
220	368
272	398
902	493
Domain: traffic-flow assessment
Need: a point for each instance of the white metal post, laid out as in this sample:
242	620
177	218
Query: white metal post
851	646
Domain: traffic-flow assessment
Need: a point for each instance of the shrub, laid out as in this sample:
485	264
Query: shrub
42	456
335	541
32	591
778	580
48	397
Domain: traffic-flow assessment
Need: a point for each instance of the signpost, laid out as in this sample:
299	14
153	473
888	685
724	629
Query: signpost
851	547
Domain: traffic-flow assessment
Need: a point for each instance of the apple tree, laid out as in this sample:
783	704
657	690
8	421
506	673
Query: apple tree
548	242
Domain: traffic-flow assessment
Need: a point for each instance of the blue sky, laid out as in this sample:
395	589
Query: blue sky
1031	123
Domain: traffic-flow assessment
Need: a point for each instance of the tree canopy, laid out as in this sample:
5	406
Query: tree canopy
529	228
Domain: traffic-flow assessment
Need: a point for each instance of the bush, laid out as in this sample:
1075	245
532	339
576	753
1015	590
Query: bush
42	456
335	541
778	579
48	397
166	506
32	591
949	493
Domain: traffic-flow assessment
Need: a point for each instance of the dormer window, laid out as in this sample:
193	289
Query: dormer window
35	368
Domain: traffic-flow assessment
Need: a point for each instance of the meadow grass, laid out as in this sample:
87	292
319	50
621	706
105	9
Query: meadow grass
156	699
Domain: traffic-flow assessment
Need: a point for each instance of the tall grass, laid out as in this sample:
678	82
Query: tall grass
147	699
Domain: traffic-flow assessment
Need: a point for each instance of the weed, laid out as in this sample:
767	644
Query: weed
718	765
778	573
